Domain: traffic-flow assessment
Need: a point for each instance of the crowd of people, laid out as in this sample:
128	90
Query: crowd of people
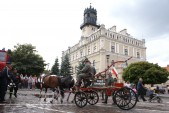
28	82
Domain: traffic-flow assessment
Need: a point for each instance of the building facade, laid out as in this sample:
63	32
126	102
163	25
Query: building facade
167	68
102	46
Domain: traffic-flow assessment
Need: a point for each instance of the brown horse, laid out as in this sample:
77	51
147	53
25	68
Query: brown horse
53	82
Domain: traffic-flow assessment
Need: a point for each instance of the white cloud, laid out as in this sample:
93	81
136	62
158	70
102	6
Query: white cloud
157	50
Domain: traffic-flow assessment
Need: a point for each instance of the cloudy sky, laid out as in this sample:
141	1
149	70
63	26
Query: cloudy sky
54	25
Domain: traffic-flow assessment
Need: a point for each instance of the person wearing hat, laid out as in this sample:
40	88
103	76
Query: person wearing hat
84	73
4	77
16	79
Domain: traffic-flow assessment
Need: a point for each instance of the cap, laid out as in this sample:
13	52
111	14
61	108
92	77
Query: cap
86	60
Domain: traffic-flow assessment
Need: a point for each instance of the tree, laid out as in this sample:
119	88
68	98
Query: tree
149	72
80	67
26	60
65	66
55	68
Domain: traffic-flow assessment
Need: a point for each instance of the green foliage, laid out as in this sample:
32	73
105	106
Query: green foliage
65	66
26	60
149	72
55	68
80	67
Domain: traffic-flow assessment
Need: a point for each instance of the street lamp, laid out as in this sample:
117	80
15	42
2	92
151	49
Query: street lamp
107	56
48	65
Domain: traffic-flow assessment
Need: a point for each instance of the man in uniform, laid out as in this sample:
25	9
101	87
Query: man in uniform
85	73
109	82
16	79
4	77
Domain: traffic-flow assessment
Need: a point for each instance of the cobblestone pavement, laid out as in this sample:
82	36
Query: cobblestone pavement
28	102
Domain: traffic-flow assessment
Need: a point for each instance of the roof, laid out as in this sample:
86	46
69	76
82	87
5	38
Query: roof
167	68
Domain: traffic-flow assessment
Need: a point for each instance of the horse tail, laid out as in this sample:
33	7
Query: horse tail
61	87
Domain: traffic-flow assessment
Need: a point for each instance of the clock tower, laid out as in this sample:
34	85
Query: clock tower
89	24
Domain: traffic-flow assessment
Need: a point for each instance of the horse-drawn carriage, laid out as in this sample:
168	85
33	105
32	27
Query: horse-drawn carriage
125	98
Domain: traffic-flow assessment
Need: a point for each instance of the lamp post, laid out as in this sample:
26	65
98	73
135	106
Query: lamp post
48	66
107	56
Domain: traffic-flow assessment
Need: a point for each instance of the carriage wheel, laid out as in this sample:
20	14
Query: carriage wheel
80	99
125	98
92	97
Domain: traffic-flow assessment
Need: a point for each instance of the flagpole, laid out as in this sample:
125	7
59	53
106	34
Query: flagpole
113	63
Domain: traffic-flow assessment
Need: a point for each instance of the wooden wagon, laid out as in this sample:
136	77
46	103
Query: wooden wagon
125	98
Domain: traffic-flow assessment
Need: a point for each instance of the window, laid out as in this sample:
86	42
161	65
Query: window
113	49
125	51
81	53
89	50
93	63
138	55
111	35
76	55
112	62
94	48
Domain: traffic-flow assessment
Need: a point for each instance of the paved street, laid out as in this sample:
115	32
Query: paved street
28	102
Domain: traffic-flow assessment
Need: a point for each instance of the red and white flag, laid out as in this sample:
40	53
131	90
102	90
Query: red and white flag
114	71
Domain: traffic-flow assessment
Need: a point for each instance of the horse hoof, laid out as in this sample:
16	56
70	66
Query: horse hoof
51	101
45	100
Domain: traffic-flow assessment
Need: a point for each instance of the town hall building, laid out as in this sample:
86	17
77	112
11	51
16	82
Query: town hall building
102	46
